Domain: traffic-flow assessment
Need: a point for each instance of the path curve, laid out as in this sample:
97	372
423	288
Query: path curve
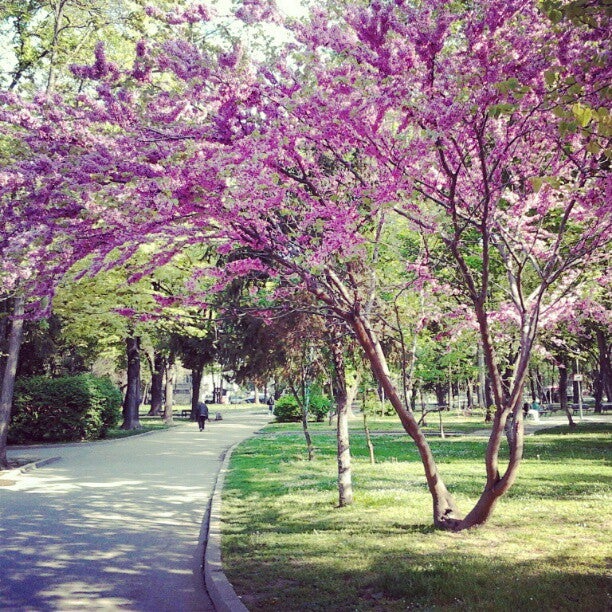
118	524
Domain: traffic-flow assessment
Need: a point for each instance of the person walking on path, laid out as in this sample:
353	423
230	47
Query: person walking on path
202	413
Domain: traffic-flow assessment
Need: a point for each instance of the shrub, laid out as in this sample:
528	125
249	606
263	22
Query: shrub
66	409
287	410
319	406
111	403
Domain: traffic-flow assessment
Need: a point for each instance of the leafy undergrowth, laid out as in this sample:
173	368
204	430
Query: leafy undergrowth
287	546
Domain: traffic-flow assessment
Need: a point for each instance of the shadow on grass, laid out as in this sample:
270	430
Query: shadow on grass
408	580
289	550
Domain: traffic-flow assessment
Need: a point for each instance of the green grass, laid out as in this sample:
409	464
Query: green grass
451	421
287	546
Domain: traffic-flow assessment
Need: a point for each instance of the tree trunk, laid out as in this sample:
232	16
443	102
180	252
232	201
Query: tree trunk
339	386
303	402
196	383
498	485
6	306
368	437
482	395
143	396
351	394
131	402
345	481
488	400
9	371
58	11
170	381
603	382
563	379
445	514
441	393
157	384
309	445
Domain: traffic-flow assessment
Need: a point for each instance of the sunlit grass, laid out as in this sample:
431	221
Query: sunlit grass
288	547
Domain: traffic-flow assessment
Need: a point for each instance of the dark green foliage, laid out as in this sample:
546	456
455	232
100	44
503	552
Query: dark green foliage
111	403
319	406
287	408
67	409
46	351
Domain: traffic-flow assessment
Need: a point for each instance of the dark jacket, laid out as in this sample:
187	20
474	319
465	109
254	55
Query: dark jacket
202	410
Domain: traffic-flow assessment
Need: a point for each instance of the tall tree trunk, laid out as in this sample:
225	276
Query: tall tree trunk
482	394
603	381
58	10
170	382
351	394
368	437
345	479
6	308
157	383
488	400
303	402
131	402
196	383
307	437
563	385
9	371
441	393
533	385
339	386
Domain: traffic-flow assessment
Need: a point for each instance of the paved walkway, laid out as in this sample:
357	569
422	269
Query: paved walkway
115	525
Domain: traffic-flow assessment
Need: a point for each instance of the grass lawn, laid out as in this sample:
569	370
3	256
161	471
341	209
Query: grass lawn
286	545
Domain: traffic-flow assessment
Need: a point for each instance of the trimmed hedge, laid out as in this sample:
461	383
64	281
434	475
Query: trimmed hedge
286	408
67	409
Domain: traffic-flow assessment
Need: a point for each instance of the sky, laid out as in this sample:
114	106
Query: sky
291	8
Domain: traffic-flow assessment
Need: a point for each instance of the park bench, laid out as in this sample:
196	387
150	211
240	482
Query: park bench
185	413
550	409
576	409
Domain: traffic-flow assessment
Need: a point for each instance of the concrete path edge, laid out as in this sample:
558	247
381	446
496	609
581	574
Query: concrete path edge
28	467
219	587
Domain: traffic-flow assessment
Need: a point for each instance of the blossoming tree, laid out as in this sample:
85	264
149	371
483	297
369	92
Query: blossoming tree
485	127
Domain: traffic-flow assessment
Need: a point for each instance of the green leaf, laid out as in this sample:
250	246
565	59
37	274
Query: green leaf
536	182
583	114
550	76
593	147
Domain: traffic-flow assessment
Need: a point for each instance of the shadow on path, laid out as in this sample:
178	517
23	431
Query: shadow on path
115	525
